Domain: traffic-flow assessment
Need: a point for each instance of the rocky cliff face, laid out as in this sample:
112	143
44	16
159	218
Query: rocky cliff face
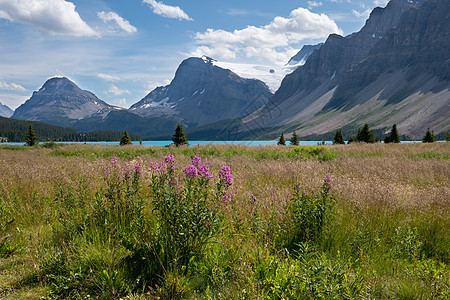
340	54
394	70
202	93
420	43
5	111
61	102
301	57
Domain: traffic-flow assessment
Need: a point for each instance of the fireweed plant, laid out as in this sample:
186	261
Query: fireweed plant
187	207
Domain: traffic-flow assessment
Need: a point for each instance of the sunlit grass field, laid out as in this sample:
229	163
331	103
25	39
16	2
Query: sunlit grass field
358	221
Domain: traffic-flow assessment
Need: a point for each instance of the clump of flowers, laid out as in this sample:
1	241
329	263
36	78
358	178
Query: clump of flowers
187	206
225	176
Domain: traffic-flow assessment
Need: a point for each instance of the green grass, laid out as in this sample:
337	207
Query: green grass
74	223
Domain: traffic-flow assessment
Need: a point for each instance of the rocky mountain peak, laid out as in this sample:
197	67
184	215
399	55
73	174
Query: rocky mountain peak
5	111
202	92
61	102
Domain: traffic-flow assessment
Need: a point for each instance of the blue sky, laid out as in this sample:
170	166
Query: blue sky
121	50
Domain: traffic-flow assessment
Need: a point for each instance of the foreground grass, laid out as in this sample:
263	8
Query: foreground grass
380	232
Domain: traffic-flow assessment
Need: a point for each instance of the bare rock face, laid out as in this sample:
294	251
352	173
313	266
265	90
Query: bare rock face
301	57
61	102
340	54
396	69
202	93
5	111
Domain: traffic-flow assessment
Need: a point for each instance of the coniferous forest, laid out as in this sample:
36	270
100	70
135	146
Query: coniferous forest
15	131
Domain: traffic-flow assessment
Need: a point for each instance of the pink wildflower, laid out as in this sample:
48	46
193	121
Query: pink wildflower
191	171
225	175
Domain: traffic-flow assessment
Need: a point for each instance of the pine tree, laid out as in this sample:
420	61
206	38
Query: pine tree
294	139
31	138
125	140
281	141
393	137
429	137
338	138
179	138
365	135
447	136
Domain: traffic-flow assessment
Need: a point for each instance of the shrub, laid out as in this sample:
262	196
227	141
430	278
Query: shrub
187	209
309	212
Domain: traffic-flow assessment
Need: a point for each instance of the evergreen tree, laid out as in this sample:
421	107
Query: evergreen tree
294	139
393	137
338	138
179	138
447	136
125	140
281	141
429	137
31	138
365	135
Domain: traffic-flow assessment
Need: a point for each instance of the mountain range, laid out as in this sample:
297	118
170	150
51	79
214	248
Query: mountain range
396	69
5	111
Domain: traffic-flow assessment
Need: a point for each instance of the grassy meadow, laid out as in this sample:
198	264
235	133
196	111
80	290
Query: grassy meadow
358	221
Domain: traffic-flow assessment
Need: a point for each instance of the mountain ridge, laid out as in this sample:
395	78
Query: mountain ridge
5	111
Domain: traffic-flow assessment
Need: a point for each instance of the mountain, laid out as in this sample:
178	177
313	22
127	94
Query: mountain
202	93
301	57
394	70
61	102
5	111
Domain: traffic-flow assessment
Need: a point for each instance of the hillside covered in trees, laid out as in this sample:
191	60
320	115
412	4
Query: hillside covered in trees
15	131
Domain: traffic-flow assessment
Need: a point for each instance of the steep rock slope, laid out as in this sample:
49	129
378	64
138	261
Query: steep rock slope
5	111
395	70
202	93
61	102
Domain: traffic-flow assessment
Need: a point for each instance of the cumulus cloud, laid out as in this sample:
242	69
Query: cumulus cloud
52	16
107	77
12	87
380	2
116	91
273	42
118	20
314	4
173	12
364	14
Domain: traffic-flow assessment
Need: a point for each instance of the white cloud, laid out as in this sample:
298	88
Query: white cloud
120	22
381	3
107	77
116	91
122	102
12	87
364	14
173	12
314	4
52	16
273	42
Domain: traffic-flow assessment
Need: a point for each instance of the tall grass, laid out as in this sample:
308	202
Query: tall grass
136	222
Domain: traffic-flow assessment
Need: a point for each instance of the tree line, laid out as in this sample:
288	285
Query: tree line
366	135
12	130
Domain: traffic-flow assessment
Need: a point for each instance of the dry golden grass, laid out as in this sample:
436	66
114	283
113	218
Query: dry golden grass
377	179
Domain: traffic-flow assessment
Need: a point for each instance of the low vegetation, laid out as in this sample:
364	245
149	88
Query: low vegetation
360	221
